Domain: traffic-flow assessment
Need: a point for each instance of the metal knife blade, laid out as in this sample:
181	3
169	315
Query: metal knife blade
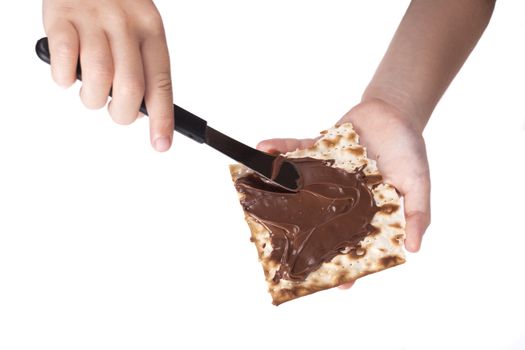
197	129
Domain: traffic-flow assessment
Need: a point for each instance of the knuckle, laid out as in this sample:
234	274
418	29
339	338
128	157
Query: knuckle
65	9
132	89
117	19
103	75
100	69
163	83
64	50
151	23
91	99
62	78
122	120
92	104
120	117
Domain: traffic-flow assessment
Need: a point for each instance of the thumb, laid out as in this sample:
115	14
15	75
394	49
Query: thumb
284	145
417	211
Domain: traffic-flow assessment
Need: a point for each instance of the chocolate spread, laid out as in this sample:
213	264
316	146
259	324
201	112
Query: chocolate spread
329	214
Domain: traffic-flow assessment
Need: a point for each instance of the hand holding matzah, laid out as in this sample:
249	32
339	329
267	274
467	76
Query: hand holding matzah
401	158
399	149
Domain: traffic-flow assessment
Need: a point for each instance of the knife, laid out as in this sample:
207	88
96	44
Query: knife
198	130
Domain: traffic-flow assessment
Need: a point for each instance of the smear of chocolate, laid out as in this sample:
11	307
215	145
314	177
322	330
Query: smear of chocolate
330	213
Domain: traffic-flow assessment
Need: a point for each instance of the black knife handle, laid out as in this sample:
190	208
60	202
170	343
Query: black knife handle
186	123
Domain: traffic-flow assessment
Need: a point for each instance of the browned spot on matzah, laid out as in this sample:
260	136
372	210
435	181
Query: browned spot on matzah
389	208
358	151
352	137
396	225
388	261
266	274
288	294
342	279
323	132
396	240
328	143
374	230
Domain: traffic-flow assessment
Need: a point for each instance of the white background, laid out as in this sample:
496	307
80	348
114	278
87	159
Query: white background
106	244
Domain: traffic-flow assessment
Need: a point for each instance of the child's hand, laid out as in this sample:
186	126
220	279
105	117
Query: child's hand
120	43
401	157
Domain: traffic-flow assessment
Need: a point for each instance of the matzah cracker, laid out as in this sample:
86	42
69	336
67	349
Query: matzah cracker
379	250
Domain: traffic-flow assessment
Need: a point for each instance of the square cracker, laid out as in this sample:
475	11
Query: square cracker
379	250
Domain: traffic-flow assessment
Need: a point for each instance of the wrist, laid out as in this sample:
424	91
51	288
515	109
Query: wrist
399	103
377	114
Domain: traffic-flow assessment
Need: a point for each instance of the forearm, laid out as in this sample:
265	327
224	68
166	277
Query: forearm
429	47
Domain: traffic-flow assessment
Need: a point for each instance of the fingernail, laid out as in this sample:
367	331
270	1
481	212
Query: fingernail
162	144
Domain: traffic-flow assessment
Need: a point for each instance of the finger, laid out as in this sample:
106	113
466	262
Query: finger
284	145
159	94
128	81
63	49
417	212
97	68
346	285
